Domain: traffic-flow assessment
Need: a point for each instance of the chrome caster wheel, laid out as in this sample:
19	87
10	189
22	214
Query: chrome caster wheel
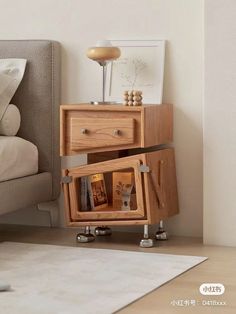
102	231
161	234
86	236
146	242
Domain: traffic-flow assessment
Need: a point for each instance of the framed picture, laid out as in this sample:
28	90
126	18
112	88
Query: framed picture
124	193
140	67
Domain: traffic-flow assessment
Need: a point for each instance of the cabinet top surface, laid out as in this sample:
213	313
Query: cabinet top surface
110	107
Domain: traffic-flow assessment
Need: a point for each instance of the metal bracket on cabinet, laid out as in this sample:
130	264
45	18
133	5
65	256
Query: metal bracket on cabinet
144	168
66	179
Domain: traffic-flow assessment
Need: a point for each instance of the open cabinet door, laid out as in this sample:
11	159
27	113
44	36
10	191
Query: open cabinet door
154	178
105	210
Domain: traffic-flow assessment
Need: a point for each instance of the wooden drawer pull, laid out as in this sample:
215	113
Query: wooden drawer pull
83	131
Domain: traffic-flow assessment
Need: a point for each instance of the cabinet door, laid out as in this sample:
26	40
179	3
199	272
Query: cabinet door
97	181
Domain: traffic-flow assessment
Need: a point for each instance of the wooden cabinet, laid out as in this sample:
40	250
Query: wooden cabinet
109	134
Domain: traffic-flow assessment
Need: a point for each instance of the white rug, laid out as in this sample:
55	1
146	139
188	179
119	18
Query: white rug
48	279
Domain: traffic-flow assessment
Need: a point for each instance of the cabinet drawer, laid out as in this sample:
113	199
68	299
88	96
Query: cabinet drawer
89	133
90	128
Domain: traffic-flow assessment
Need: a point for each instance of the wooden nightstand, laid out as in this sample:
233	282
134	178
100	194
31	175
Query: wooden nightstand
118	140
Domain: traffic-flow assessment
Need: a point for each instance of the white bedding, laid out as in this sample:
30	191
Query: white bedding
18	158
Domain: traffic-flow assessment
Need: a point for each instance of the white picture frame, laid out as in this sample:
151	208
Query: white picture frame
140	67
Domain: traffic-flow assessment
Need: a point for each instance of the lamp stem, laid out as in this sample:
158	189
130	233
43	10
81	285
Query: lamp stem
103	82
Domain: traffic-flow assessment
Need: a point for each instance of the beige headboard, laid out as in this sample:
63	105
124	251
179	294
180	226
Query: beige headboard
38	98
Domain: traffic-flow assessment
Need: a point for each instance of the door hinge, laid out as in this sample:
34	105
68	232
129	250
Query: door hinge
144	168
66	179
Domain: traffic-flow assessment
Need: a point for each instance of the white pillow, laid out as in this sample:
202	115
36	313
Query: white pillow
11	74
10	123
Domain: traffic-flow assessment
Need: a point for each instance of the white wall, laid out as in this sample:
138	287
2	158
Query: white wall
78	24
220	123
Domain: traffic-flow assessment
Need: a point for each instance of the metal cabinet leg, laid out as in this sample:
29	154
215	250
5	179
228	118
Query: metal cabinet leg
103	231
86	236
161	234
146	241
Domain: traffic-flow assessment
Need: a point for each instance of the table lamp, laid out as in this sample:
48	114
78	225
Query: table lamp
103	53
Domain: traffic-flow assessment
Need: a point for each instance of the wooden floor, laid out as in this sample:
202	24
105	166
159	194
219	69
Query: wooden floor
219	268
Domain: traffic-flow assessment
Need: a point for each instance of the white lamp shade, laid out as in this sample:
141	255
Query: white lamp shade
103	43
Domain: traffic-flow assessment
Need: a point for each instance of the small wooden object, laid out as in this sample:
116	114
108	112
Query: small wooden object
132	98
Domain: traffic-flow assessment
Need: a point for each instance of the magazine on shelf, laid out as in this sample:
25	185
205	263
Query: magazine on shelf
97	191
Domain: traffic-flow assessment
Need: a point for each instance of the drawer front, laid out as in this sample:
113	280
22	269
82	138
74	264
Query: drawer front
88	129
89	133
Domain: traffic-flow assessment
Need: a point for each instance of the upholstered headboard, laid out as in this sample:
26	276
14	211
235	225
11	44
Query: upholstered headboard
38	98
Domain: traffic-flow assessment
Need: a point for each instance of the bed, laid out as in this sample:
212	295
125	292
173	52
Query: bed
18	158
38	99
